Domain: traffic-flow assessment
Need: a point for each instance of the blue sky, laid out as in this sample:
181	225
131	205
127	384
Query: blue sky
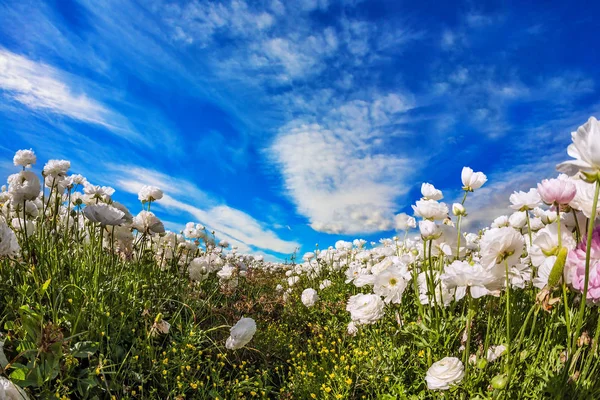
281	124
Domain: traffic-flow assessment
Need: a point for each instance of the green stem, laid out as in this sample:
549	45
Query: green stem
529	227
588	249
508	325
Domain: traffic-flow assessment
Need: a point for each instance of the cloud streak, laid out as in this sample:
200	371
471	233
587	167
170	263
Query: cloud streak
42	88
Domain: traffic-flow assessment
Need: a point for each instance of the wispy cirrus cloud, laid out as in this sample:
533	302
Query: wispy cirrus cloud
42	88
234	225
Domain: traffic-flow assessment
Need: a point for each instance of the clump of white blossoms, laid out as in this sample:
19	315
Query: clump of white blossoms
9	247
24	158
443	373
472	180
461	275
147	222
365	308
104	214
309	297
241	334
149	194
430	209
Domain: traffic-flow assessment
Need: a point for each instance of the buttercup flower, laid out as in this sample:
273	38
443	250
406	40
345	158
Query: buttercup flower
429	192
149	193
458	209
147	222
104	214
443	373
575	267
365	308
403	222
309	297
585	149
480	281
430	209
472	180
24	186
499	245
241	334
556	191
391	283
429	230
352	329
524	201
9	247
494	352
24	158
56	168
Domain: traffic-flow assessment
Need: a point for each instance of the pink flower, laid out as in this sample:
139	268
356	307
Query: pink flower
557	191
576	268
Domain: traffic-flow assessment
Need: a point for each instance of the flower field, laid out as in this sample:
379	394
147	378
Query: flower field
97	301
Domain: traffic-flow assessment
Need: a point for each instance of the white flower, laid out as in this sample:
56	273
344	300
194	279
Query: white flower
10	391
443	295
481	281
429	230
442	374
147	222
499	245
94	193
518	219
500	222
391	283
325	284
429	192
365	308
9	247
430	209
494	352
226	272
472	180
543	272
241	334
149	193
584	199
523	201
458	209
160	326
56	168
585	149
24	158
545	243
404	222
309	297
352	329
292	280
21	225
24	186
104	214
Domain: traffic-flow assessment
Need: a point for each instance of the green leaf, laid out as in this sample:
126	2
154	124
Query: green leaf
84	349
45	286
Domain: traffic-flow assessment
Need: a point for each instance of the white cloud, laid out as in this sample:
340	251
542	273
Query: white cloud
41	87
337	171
229	223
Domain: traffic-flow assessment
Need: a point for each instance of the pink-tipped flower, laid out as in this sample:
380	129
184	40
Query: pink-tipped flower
557	191
576	267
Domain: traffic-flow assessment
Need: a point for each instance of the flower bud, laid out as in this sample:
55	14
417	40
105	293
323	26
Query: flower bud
458	209
499	381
